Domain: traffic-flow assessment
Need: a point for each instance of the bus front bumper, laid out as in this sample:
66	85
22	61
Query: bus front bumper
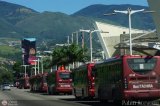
44	88
141	94
92	92
64	89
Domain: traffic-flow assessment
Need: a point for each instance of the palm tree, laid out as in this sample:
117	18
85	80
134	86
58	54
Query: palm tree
77	54
68	54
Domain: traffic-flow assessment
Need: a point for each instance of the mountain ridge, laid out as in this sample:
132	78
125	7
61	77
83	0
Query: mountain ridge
25	22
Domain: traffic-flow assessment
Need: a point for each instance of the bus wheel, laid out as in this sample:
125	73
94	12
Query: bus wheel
83	94
114	96
77	97
70	93
103	101
49	92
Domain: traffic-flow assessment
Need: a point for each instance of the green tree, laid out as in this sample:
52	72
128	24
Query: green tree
68	54
77	54
60	56
17	69
5	75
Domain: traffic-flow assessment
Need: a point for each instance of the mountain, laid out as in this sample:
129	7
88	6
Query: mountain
49	28
14	13
17	21
53	25
139	20
10	14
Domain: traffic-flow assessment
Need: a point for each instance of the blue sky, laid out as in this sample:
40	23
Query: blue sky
70	6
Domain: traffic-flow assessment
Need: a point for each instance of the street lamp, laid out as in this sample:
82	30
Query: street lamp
76	37
129	11
41	62
25	67
90	34
35	66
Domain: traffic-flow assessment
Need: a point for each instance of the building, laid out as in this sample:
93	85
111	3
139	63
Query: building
112	38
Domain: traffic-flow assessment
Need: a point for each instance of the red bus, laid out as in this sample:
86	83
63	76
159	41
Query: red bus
17	83
59	81
24	83
38	82
84	83
32	81
128	78
43	82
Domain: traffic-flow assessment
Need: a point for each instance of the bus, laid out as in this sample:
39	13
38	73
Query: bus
43	83
32	81
84	84
24	83
16	83
128	77
38	82
59	81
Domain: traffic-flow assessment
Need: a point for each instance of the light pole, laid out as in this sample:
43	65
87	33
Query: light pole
41	62
76	37
38	65
129	11
35	72
25	67
90	36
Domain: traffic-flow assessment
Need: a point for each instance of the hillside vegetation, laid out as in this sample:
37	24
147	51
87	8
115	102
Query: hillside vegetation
50	28
19	21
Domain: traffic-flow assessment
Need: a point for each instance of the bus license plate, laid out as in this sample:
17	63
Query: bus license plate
143	86
65	85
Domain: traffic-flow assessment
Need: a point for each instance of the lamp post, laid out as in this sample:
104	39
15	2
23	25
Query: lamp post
76	37
129	11
38	65
35	72
41	62
90	35
25	67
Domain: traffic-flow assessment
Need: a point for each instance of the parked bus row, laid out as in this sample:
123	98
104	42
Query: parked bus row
120	78
58	81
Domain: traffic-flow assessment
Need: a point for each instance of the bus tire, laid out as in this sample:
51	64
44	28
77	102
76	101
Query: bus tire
114	96
74	91
49	92
83	94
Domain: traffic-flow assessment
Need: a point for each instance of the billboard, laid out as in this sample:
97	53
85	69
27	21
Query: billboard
28	51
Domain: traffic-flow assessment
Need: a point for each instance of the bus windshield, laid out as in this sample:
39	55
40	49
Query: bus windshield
142	65
64	75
